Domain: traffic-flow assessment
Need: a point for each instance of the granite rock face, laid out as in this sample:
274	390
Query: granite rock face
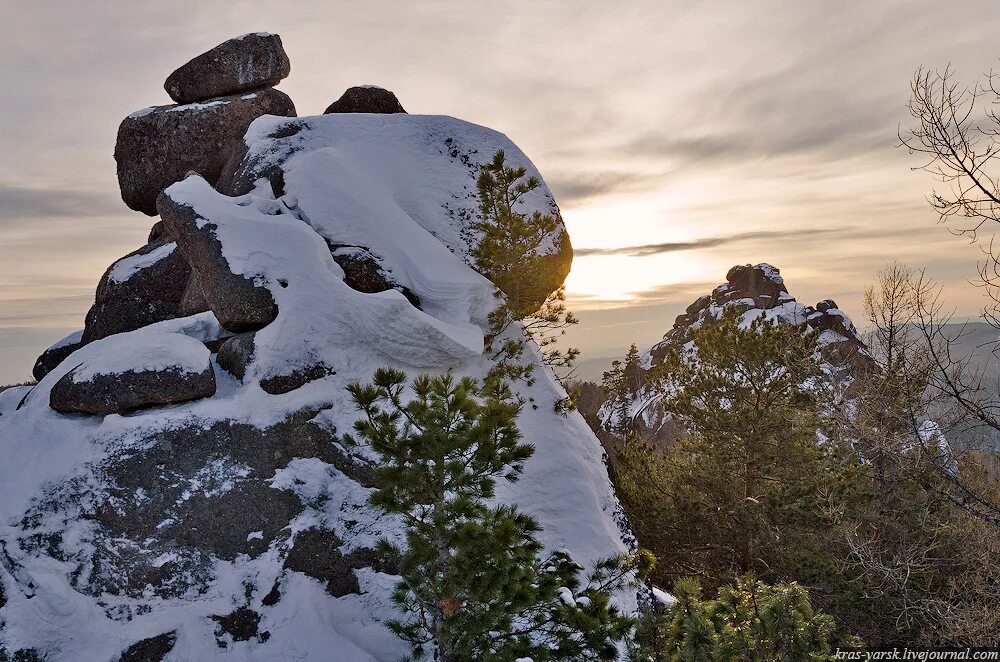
160	145
124	392
236	65
237	302
141	288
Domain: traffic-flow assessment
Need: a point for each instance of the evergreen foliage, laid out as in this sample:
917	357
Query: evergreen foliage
474	586
508	254
623	382
749	621
748	486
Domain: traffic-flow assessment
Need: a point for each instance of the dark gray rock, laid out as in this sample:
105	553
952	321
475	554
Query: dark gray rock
366	99
236	353
237	65
699	304
287	382
762	283
159	146
825	305
136	291
316	553
234	517
237	302
52	357
193	300
242	171
156	232
128	391
364	273
153	649
242	625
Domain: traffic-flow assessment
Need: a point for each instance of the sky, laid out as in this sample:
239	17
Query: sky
680	137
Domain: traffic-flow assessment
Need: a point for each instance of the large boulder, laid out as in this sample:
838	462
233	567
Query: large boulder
366	99
238	302
134	371
447	153
158	146
56	354
760	282
144	287
237	65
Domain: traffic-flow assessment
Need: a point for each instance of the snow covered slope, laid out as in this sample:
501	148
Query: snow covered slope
203	530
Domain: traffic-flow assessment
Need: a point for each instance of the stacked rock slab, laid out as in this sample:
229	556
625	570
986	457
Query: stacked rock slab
238	303
237	65
141	288
219	94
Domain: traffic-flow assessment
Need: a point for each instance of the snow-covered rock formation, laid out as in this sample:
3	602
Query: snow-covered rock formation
756	291
204	507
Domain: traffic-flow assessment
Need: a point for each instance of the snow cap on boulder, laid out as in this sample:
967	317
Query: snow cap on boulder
135	370
244	63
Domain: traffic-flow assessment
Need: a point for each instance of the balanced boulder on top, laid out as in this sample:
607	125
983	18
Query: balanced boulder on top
366	99
157	146
236	65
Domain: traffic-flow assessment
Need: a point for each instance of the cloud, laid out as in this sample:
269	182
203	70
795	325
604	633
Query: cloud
21	203
646	250
570	188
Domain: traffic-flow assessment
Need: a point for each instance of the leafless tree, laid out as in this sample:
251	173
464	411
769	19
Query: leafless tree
957	131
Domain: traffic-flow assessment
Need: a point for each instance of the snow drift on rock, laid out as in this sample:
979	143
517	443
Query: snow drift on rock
172	526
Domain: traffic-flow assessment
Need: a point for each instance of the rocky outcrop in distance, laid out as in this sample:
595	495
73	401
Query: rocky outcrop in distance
754	290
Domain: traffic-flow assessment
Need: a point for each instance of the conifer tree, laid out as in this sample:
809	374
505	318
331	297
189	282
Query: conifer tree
473	585
508	254
746	488
748	621
623	382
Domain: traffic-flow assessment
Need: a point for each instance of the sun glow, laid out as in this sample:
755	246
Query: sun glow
624	221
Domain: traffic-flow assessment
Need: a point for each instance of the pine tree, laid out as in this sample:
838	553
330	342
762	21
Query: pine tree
746	488
633	374
508	254
623	382
473	585
748	621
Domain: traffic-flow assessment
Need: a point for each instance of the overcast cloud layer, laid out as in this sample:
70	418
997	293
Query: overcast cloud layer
680	137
